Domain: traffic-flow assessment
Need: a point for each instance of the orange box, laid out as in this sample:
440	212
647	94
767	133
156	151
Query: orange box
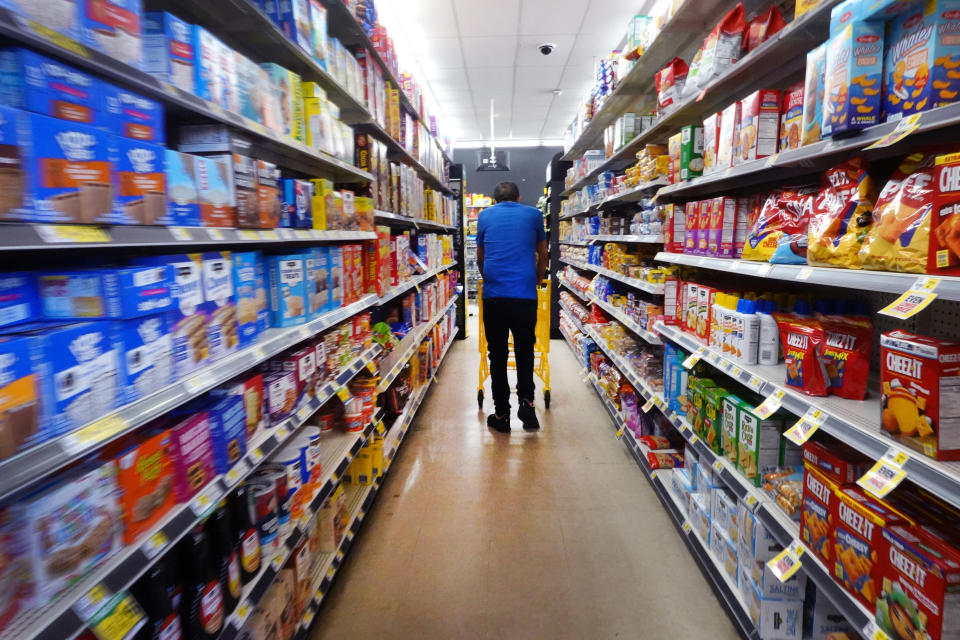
145	482
816	515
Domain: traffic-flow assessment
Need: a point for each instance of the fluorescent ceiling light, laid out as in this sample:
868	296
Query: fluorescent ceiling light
510	144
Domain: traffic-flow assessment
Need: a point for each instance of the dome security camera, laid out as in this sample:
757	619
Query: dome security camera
546	48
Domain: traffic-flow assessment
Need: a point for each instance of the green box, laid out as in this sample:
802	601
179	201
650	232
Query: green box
691	152
758	444
713	419
695	389
732	405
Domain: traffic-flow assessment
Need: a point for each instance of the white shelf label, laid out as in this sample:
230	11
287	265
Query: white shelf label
215	234
155	544
786	563
886	475
806	426
769	406
804	273
180	234
92	601
242	612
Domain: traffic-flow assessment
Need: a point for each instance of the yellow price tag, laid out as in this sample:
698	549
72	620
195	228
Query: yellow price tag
181	233
909	304
806	426
718	465
91	602
898	458
155	544
269	234
804	273
619	433
63	233
331	572
58	39
686	526
372	367
344	394
905	127
197	383
751	500
256	455
649	405
769	406
248	234
120	617
100	430
691	360
242	612
215	234
786	563
755	383
882	478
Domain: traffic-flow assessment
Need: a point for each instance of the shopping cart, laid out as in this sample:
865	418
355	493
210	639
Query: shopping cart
541	347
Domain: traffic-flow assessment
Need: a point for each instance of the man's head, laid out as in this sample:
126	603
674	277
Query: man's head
506	192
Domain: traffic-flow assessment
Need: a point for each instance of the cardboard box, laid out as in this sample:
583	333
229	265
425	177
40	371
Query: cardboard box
21	416
288	291
286	85
132	115
814	85
774	619
691	152
228	431
758	445
728	141
114	27
318	32
105	293
297	204
759	124
214	176
19	299
145	477
732	405
42	85
192	452
839	461
816	517
823	618
246	293
943	252
852	78
169	54
219	303
280	390
262	294
295	21
791	117
63	17
723	222
756	544
183	204
147	353
711	137
268	194
692	223
140	183
209	81
918	375
251	81
319	298
248	387
674	151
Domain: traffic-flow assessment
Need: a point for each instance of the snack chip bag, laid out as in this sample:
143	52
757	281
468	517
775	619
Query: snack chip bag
763	26
803	341
900	235
669	82
796	206
763	230
846	355
663	460
842	215
721	49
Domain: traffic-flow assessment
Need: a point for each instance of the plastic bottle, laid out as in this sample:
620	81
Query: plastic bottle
750	343
226	557
202	598
768	351
718	322
730	334
153	594
244	519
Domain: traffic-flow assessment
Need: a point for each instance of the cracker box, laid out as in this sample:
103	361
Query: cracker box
859	521
774	618
691	152
813	94
67	170
723	223
917	577
816	517
297	205
728	139
711	136
288	289
219	303
852	78
732	406
286	84
228	431
20	410
943	252
192	452
919	376
691	222
168	47
823	619
320	284
756	543
769	586
280	389
215	191
791	117
245	291
248	387
209	81
318	32
114	27
63	531
39	84
758	446
674	145
132	115
139	182
145	477
146	348
105	293
759	124
183	199
840	462
268	194
19	299
921	52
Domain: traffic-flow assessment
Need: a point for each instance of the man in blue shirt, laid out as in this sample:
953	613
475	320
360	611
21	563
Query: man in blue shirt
512	258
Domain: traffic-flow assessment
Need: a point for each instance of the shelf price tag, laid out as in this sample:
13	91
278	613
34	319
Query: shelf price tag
256	455
236	472
750	500
196	383
693	358
686	526
905	127
872	632
269	234
118	619
91	602
755	383
920	296
805	427
344	394
242	612
769	406
98	431
215	234
372	367
247	234
765	270
786	563
282	432
303	413
181	234
718	465
649	405
884	476
56	38
63	233
804	273
619	433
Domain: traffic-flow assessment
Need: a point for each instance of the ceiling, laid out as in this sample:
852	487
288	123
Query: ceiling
468	52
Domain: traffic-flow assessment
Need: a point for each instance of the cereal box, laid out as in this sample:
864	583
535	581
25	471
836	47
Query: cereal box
791	117
228	431
852	78
63	16
128	292
147	351
140	183
192	452
813	94
759	124
816	515
917	574
922	51
280	389
318	32
219	303
691	152
169	53
208	76
711	136
132	115
920	378
245	290
19	299
249	387
758	445
268	194
288	291
183	205
114	27
20	411
859	521
145	478
295	21
215	191
723	223
39	84
728	136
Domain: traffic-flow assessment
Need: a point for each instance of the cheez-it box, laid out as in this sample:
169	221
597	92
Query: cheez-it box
838	461
919	377
816	519
943	254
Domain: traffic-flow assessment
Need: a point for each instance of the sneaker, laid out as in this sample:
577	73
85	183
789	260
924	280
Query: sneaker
528	415
499	423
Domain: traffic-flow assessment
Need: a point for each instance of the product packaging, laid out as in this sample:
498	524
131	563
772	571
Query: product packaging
38	84
192	453
721	49
758	444
852	78
816	519
214	179
248	296
140	183
669	83
183	206
842	215
711	137
268	194
288	292
209	80
762	27
759	124
295	21
145	477
133	116
814	85
105	293
114	27
146	348
169	50
21	422
728	143
791	117
691	152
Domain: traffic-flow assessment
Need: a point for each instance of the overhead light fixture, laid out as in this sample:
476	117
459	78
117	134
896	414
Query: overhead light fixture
493	161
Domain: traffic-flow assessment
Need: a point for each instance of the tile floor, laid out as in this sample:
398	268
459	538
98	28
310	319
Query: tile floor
554	534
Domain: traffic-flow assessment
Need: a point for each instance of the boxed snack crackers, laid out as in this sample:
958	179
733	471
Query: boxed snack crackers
943	254
192	453
758	444
922	53
20	410
816	517
919	380
691	152
813	94
729	139
759	124
852	78
288	289
711	136
168	50
791	117
145	480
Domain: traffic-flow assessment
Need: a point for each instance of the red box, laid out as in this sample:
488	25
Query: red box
919	571
303	364
914	372
943	253
816	516
674	227
858	524
690	307
759	124
706	296
791	118
691	223
839	462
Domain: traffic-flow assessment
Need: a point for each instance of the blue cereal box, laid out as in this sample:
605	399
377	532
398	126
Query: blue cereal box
133	116
320	283
115	27
853	76
183	204
106	293
297	211
39	84
923	55
335	264
19	301
19	398
245	290
146	348
228	430
169	53
208	71
288	289
262	294
219	303
68	171
140	183
295	22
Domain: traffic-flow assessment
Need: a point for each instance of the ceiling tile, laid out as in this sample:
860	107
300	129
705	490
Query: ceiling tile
422	18
538	79
608	18
487	51
491	80
437	52
577	75
487	18
529	54
445	75
551	17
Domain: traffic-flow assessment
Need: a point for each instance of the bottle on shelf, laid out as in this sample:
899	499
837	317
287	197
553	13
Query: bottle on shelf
223	546
202	600
152	592
768	352
242	507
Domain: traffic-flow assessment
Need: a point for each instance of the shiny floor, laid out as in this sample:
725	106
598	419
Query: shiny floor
554	534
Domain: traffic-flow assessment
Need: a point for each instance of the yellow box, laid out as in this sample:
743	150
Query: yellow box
312	115
360	470
363	206
321	189
393	113
312	90
299	127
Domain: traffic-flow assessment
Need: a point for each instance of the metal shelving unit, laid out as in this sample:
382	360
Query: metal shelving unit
649	287
418	223
657	239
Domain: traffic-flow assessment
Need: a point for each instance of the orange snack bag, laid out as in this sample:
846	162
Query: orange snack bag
841	215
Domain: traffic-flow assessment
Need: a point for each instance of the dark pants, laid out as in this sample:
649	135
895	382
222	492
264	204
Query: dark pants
502	316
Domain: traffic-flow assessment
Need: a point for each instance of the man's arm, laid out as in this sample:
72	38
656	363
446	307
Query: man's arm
542	259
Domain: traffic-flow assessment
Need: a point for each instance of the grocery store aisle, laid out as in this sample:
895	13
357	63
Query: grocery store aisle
553	534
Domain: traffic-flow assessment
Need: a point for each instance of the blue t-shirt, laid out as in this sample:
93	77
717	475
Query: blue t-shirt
509	233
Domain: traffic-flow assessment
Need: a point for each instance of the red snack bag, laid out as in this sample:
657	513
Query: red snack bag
669	82
841	215
663	460
654	442
796	205
803	341
763	229
763	26
846	356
